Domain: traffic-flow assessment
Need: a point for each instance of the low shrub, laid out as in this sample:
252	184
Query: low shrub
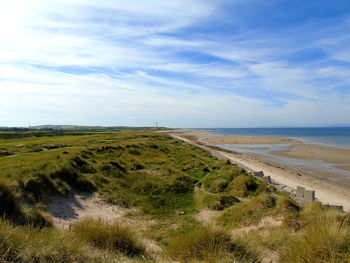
109	236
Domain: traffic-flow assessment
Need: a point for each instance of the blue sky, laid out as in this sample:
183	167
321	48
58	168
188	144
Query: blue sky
184	63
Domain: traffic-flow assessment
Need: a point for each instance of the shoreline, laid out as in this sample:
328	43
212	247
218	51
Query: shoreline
326	191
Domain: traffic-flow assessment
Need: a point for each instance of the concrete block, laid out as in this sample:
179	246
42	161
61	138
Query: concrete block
259	174
309	196
300	191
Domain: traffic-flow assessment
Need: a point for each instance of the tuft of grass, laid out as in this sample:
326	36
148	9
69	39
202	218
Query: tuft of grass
27	244
287	204
9	206
208	245
114	237
38	218
324	239
40	185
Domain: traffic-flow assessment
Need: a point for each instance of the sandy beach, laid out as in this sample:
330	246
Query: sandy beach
326	191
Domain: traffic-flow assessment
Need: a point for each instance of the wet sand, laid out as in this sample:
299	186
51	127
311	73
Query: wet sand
343	167
316	152
232	139
327	191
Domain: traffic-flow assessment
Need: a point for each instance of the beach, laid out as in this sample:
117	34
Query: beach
331	186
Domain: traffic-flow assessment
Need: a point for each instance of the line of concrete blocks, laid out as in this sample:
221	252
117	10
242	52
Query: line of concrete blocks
306	195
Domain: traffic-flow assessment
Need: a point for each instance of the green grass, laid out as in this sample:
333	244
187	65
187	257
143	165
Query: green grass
155	175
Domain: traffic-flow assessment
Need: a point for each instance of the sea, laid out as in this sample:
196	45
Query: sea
335	137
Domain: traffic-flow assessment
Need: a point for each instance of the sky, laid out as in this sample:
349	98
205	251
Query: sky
183	63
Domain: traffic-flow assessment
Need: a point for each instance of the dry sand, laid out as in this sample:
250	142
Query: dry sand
326	191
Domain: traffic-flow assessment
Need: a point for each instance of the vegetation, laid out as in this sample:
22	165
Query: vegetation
109	236
209	245
156	176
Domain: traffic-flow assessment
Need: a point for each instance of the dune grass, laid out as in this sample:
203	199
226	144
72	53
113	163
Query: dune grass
114	237
28	244
156	175
209	245
325	236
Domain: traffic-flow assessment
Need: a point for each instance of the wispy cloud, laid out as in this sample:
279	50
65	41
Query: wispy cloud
184	64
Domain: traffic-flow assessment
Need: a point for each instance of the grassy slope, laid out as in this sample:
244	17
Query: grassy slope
158	175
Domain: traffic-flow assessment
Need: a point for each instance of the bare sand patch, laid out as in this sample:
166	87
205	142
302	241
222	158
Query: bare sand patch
68	210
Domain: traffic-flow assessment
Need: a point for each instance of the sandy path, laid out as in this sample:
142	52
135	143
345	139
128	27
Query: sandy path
326	191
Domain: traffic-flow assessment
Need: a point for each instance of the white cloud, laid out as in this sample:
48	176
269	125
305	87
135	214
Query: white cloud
126	62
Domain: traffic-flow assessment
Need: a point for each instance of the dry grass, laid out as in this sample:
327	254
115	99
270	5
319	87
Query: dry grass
28	244
325	238
208	245
114	237
9	205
